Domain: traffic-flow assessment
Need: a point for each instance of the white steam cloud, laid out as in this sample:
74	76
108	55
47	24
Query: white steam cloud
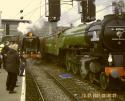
24	27
27	27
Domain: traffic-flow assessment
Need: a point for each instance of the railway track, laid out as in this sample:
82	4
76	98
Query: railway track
84	90
46	86
39	96
73	98
38	88
74	88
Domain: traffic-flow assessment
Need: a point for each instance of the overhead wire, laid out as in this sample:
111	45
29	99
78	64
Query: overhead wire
103	8
103	2
35	10
69	10
74	20
29	3
96	12
66	12
25	7
63	13
32	11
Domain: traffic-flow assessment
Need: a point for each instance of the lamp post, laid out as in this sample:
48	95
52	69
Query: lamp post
21	12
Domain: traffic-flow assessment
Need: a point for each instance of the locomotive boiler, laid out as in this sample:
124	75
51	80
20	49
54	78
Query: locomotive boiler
95	50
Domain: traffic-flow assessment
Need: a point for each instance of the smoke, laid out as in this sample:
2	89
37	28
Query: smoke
24	27
27	27
69	16
39	24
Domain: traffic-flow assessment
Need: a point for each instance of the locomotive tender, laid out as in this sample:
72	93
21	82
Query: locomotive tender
96	50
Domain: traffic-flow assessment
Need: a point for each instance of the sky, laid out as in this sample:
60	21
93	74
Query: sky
35	9
10	9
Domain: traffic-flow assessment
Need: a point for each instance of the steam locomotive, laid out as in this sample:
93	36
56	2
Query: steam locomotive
96	51
30	46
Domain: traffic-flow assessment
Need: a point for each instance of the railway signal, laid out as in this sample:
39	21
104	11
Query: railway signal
88	10
54	10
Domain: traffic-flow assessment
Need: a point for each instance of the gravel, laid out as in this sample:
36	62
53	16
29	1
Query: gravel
50	90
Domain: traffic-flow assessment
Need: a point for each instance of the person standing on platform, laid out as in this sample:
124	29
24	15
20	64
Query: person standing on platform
12	67
22	66
1	57
4	51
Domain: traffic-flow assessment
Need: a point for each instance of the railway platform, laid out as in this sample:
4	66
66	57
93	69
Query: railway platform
20	90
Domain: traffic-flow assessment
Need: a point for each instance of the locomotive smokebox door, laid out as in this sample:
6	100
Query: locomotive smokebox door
114	33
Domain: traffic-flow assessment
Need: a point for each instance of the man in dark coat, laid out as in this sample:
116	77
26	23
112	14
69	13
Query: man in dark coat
12	67
4	53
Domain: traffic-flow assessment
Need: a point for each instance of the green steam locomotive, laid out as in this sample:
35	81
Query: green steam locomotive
96	51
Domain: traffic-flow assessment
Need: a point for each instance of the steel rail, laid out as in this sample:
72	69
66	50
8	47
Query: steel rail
38	88
64	88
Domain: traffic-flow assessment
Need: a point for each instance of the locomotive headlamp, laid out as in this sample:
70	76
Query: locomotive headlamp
110	58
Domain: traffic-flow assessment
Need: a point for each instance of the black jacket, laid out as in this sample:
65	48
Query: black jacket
4	52
12	61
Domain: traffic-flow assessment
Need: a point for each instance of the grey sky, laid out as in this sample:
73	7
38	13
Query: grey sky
10	10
